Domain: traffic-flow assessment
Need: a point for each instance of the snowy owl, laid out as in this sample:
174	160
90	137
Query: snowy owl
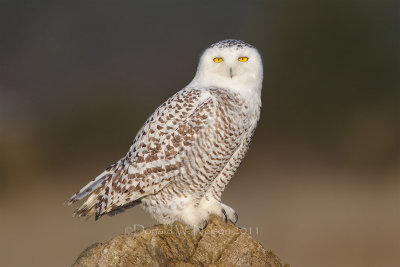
190	147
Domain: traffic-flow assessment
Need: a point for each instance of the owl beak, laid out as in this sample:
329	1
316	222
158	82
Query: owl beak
230	72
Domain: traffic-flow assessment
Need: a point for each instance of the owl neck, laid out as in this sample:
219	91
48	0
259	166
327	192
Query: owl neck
249	86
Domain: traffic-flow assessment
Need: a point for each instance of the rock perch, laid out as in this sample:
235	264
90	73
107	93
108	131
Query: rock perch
219	244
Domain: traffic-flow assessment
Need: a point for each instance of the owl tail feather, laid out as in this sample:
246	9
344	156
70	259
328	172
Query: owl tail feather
88	209
89	188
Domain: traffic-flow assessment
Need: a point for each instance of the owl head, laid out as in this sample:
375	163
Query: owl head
231	64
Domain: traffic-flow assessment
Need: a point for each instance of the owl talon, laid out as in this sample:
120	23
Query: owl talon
205	224
225	215
236	218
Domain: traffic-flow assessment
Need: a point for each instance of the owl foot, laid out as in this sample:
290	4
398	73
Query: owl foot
229	213
194	217
221	210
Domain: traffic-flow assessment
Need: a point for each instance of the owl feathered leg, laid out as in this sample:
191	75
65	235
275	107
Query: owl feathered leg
194	216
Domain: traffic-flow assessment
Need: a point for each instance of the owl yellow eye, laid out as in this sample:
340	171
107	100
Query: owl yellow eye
243	59
218	59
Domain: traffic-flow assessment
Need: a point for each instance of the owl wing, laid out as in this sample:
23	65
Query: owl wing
155	157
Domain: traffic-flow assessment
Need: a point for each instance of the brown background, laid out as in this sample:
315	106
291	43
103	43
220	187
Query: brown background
320	185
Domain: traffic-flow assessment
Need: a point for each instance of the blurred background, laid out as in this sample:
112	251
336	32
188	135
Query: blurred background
320	185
